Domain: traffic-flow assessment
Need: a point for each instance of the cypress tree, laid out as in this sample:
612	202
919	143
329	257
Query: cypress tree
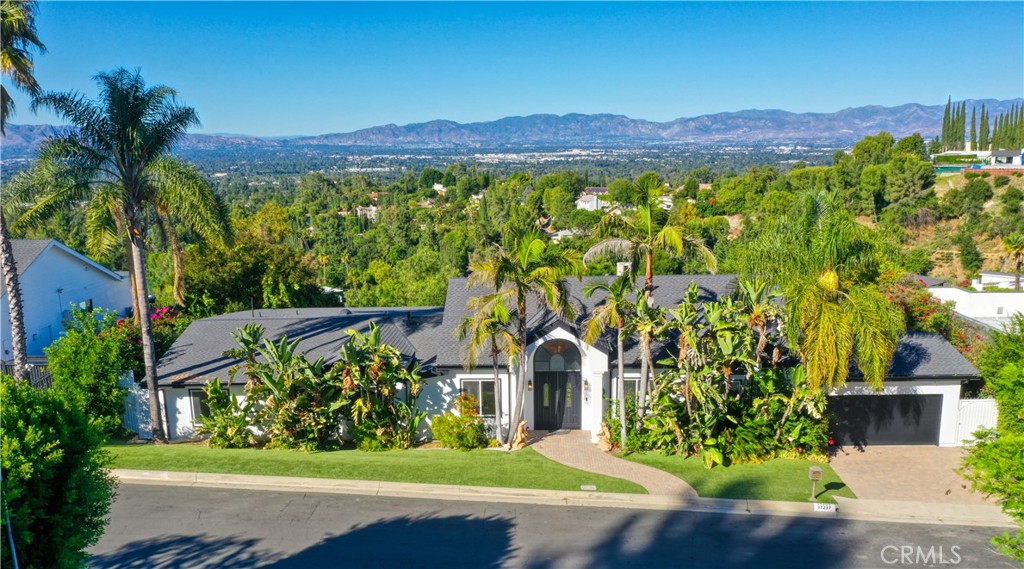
983	130
974	131
961	132
946	121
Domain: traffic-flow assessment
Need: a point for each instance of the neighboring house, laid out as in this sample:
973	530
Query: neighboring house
54	277
369	212
992	309
590	203
1005	158
568	381
995	279
440	189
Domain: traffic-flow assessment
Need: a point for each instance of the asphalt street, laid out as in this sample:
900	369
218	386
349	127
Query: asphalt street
158	527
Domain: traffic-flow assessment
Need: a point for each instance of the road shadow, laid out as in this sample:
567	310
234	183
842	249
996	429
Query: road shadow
681	539
173	551
427	540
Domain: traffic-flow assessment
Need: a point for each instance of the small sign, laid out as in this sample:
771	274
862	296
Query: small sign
824	507
588	487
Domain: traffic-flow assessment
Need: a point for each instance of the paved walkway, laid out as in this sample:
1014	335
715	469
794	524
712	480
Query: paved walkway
910	473
573	448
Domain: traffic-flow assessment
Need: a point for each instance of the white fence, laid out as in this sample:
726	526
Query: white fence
975	414
136	407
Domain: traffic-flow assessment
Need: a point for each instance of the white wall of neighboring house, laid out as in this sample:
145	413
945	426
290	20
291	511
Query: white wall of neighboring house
992	279
973	304
949	390
78	281
589	203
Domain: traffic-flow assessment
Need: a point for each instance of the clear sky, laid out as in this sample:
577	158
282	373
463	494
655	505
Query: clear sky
279	68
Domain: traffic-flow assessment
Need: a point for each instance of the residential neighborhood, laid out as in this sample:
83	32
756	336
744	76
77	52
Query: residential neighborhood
441	284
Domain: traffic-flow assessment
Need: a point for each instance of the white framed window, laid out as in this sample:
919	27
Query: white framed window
197	397
483	391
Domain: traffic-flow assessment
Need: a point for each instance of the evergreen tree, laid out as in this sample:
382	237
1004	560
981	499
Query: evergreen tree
961	126
946	122
983	140
974	131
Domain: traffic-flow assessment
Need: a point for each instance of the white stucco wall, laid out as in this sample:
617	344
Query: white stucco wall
44	307
177	406
949	390
981	304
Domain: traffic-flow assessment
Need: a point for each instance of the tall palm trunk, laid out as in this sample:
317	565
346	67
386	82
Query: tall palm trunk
177	254
17	313
497	390
645	372
649	278
521	372
138	255
622	389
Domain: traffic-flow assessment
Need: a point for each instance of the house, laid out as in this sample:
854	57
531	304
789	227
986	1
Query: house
995	279
53	278
1005	158
989	308
568	382
440	189
369	212
590	203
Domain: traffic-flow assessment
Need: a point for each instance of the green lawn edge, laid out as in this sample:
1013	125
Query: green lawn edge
521	469
780	479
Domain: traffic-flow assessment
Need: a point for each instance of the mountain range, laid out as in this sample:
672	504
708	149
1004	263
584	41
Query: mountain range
748	126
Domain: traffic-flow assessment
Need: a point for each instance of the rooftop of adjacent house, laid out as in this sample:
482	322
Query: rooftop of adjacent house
926	280
1006	153
997	274
595	190
26	251
198	354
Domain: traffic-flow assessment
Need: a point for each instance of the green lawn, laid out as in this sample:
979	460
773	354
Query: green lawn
521	469
779	479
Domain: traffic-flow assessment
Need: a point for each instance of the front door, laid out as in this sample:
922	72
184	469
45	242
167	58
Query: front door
556	400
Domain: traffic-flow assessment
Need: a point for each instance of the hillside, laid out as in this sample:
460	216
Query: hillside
841	127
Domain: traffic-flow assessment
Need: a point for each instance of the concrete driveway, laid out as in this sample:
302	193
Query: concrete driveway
912	473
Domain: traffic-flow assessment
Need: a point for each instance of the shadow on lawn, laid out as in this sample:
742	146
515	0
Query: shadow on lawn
425	540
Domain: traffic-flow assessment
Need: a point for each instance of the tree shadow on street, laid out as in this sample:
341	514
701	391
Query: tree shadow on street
424	541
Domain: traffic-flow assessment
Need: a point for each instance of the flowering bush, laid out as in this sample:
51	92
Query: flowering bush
464	430
925	313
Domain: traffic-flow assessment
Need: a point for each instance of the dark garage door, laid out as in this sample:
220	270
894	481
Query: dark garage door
886	419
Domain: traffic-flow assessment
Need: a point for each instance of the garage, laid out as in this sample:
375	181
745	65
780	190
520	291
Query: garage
861	420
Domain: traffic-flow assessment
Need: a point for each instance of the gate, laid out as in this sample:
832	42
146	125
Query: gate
974	414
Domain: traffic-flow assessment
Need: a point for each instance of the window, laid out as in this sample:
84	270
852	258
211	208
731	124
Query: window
632	387
557	355
483	391
199	407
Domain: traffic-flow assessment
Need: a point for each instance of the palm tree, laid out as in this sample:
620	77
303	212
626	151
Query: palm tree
649	322
1014	247
530	268
614	311
489	326
17	39
117	154
647	230
827	267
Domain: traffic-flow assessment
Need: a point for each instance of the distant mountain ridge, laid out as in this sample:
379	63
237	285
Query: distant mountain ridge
752	126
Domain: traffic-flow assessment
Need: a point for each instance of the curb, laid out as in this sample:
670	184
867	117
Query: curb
848	509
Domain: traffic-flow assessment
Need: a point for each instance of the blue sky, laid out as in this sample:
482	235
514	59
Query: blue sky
279	68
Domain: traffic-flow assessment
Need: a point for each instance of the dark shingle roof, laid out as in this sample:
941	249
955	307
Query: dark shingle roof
926	356
669	290
26	251
197	355
926	280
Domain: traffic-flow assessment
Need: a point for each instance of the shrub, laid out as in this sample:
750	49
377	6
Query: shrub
918	261
994	466
87	362
463	429
56	486
228	422
1000	181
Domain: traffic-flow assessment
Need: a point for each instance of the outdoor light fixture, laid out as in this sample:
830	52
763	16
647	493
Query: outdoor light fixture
814	474
586	385
529	385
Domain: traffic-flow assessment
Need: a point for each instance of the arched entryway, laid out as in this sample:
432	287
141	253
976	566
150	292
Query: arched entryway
557	393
